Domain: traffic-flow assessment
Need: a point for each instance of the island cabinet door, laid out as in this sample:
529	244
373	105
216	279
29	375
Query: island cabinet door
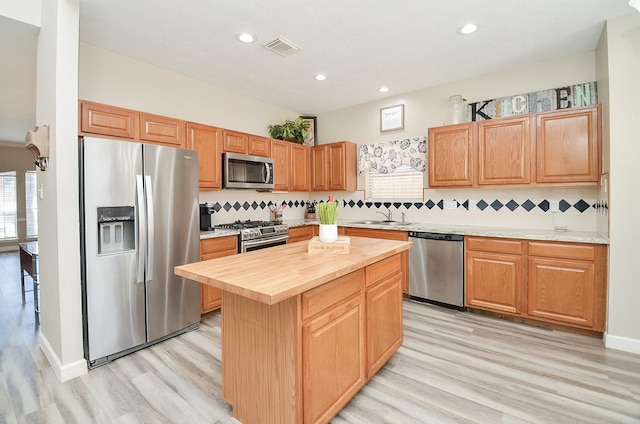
333	359
384	321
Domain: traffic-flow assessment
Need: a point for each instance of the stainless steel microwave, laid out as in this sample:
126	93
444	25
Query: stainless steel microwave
246	171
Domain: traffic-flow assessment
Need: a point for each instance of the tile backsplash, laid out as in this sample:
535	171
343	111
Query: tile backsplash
535	208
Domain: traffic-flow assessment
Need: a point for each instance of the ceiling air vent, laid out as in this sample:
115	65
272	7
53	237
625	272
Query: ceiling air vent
282	46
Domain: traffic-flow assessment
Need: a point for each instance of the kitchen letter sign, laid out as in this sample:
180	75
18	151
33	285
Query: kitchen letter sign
540	101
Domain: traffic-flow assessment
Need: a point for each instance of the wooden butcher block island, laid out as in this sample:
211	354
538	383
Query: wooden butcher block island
301	332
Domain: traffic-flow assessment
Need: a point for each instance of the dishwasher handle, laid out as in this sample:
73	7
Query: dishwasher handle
436	236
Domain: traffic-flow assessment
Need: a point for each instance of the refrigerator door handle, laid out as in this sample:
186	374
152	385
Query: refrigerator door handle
150	227
142	237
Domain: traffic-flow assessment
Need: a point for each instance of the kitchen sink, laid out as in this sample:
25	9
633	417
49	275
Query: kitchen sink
389	223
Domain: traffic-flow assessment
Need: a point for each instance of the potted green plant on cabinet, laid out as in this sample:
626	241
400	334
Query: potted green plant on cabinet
296	131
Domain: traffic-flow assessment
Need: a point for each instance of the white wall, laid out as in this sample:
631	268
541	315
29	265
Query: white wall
621	42
116	80
27	11
428	108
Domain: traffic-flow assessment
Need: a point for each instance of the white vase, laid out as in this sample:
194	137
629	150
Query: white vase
328	232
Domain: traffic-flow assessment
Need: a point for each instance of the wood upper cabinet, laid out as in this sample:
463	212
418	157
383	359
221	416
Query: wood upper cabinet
300	168
207	141
568	145
383	300
388	235
108	120
162	130
211	297
259	146
234	141
567	283
451	155
494	274
320	168
504	151
561	283
333	316
280	153
333	167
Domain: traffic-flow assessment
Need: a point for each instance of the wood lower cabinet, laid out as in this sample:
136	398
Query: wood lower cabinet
568	145
302	233
556	282
504	151
162	130
99	119
494	274
388	235
207	141
451	155
567	283
211	297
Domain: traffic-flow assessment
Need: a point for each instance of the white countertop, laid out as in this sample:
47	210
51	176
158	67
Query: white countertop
519	233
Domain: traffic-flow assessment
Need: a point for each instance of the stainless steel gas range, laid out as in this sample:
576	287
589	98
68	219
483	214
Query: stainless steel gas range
256	235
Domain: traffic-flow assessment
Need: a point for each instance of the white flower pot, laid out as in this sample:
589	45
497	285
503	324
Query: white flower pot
328	232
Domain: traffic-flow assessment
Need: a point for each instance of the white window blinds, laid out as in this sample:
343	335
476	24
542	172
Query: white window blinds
31	201
8	205
404	184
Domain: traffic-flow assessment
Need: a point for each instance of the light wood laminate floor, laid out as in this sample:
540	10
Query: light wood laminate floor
452	368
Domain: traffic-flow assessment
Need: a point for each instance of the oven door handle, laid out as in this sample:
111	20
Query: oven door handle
265	241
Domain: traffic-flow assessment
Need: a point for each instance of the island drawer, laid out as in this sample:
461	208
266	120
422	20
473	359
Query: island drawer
320	298
383	269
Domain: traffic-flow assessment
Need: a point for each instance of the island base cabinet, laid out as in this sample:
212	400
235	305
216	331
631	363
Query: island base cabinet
333	364
261	361
384	321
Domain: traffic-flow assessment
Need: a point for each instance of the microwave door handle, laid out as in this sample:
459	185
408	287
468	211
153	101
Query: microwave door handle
267	169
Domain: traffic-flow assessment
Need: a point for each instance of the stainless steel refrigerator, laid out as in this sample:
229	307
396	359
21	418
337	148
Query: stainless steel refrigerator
139	219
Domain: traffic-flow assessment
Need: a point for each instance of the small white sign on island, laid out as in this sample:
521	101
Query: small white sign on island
340	246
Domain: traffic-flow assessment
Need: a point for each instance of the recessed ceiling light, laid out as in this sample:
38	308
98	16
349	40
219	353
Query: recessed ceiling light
320	77
246	38
383	89
467	29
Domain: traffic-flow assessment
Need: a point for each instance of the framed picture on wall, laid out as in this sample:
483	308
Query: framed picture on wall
312	138
392	118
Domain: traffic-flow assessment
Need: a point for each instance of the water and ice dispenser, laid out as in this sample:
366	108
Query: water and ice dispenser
116	229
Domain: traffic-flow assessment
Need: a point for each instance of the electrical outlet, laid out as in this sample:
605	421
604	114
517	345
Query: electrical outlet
554	206
473	205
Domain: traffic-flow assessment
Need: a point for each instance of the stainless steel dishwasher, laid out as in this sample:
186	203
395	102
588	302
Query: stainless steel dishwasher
436	269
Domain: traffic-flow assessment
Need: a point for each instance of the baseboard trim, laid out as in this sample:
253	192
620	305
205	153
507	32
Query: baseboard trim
63	372
625	344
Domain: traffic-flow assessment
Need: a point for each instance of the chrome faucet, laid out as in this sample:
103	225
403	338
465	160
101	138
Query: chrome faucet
387	215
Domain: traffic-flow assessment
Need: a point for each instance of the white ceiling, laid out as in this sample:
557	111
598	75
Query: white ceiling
360	45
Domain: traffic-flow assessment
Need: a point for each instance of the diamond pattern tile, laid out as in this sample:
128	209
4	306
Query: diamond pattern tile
246	206
418	205
512	205
564	205
528	205
351	203
227	207
360	203
544	205
441	204
430	204
482	205
465	204
581	206
496	205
